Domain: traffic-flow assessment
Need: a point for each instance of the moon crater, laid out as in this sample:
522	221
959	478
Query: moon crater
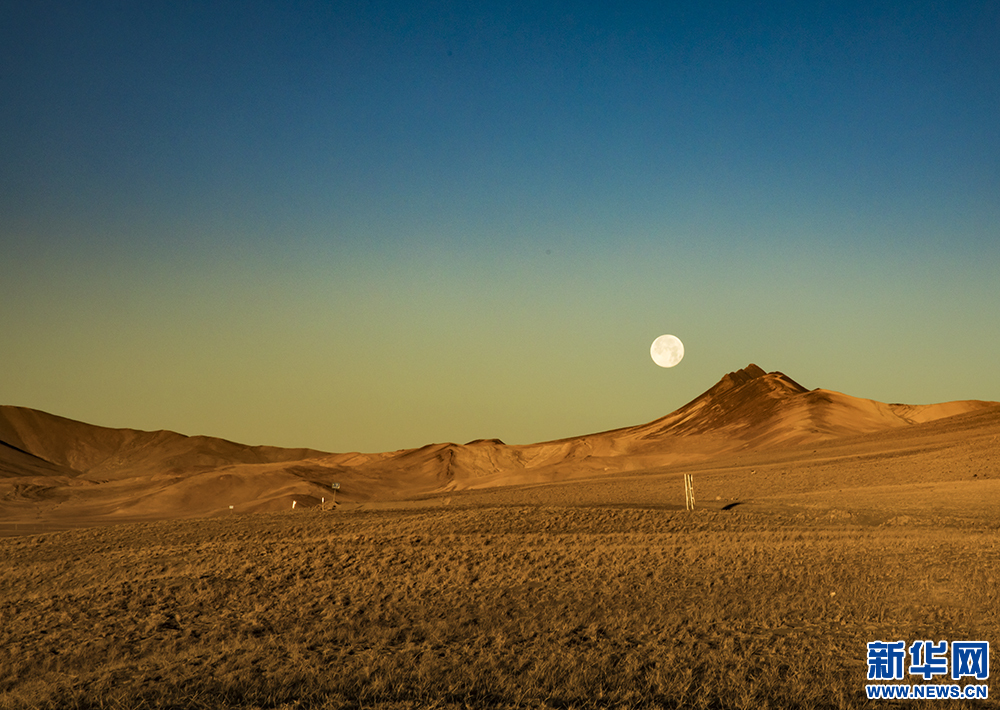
667	350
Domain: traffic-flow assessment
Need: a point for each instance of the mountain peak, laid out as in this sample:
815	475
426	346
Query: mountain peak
764	382
740	377
742	398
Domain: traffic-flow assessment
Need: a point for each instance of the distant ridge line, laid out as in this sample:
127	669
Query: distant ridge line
164	474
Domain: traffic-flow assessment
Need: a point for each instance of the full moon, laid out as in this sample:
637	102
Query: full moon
667	350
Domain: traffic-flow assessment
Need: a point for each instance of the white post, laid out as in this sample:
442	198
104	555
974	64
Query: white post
293	504
689	491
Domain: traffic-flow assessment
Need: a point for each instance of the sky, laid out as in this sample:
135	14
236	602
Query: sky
373	226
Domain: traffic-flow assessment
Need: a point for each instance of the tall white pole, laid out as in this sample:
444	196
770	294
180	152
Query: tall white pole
689	491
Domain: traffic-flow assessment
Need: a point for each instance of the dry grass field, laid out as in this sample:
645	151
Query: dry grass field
489	606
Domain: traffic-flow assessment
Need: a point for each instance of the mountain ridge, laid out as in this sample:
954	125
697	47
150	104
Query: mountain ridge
166	474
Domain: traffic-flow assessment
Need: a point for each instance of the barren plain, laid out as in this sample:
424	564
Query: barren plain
564	574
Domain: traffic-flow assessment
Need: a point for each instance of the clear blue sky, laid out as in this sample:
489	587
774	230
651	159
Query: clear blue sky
371	226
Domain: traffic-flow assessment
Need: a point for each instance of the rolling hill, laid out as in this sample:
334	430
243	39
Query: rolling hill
72	473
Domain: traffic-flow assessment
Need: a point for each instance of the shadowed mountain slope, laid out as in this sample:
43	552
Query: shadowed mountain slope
97	472
95	452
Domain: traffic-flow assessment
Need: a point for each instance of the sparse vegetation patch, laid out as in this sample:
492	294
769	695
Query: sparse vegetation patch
500	607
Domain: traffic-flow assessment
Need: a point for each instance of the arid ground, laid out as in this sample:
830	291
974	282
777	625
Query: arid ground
556	575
